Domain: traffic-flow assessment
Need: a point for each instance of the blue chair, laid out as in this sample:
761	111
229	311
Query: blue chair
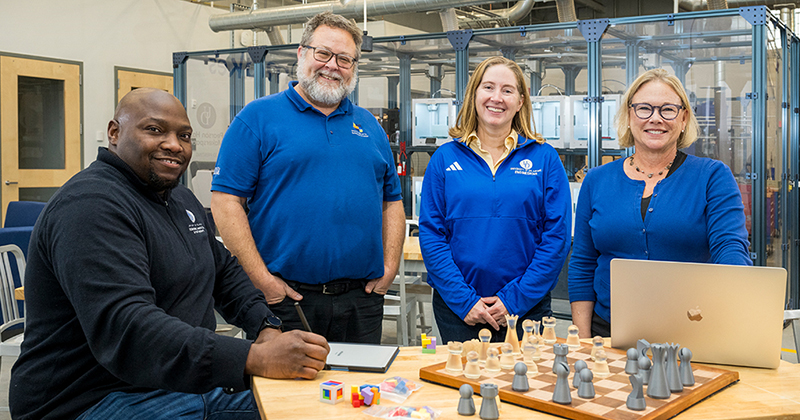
20	218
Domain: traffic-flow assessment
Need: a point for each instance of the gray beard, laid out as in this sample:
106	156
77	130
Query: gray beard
322	94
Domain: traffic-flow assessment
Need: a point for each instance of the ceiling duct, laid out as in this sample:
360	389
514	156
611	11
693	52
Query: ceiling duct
287	15
566	10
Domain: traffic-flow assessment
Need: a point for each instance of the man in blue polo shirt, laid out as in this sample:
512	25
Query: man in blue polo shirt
325	225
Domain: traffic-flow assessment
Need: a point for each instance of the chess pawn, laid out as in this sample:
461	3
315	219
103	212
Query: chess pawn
561	393
632	364
511	333
485	336
492	361
686	373
586	388
597	344
601	364
658	387
673	377
644	369
530	354
536	342
579	366
527	331
453	365
507	356
520	381
573	341
549	333
489	409
466	407
473	369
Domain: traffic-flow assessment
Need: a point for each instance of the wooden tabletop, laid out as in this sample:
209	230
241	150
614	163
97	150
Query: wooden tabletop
760	394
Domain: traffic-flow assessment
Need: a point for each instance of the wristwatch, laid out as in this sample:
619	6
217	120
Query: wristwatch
270	321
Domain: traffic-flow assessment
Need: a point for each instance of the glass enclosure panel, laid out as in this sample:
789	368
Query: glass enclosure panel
774	147
41	123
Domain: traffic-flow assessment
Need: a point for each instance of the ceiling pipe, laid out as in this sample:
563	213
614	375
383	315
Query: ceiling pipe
515	13
449	19
286	15
566	11
695	5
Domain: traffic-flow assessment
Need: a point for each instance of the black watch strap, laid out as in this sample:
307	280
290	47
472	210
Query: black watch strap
270	321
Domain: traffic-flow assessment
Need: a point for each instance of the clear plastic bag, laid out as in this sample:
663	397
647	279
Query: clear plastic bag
403	412
398	389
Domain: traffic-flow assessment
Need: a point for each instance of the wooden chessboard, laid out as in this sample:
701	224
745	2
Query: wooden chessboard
611	392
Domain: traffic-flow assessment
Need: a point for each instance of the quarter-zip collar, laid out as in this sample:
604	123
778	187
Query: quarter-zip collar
106	156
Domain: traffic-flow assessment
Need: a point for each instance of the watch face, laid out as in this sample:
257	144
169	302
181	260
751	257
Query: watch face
273	321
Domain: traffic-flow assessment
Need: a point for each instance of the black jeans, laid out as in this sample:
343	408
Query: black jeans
453	328
354	316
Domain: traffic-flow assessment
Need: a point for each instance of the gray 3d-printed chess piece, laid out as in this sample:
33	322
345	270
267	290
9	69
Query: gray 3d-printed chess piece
466	406
644	369
658	387
586	389
636	397
579	366
686	373
561	351
561	393
632	364
673	377
642	346
489	410
520	382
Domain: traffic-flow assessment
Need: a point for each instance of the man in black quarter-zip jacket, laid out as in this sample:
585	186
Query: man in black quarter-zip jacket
123	277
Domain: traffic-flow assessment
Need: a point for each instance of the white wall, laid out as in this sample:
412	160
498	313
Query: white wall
102	34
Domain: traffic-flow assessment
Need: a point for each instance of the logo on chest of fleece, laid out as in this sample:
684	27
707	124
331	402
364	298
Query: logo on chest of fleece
525	168
194	227
359	131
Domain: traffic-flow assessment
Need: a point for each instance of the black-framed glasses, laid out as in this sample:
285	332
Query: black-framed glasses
323	56
666	111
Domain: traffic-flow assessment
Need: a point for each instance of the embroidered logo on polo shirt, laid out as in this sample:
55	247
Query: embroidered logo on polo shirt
359	131
194	227
525	168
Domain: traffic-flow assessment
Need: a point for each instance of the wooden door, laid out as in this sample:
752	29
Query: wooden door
130	79
40	127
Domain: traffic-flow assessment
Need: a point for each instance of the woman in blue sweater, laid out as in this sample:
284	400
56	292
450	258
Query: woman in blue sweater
659	204
495	211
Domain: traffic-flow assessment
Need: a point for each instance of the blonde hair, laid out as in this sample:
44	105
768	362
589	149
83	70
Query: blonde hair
687	137
467	121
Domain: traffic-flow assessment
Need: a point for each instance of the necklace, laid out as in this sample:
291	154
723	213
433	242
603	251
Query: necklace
650	175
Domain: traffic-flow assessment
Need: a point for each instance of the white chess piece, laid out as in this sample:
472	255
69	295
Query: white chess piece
573	341
601	364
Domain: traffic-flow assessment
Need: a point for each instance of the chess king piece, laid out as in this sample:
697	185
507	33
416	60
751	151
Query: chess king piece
658	387
453	365
511	333
586	388
489	409
561	351
636	397
686	373
549	333
673	377
527	331
597	344
561	393
506	356
485	336
576	379
644	369
492	361
528	350
632	364
473	369
520	382
601	364
466	406
573	341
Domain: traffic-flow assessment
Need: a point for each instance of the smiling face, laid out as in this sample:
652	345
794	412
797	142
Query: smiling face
326	84
655	133
497	99
151	133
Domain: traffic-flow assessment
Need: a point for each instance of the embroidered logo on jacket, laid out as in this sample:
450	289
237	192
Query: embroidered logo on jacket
194	227
525	168
359	131
454	167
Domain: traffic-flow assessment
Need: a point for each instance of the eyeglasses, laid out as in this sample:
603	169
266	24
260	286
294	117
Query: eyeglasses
666	111
323	56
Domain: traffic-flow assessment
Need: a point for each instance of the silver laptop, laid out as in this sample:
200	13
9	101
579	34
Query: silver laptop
362	357
724	314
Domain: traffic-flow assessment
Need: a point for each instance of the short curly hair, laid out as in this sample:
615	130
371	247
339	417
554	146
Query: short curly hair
334	21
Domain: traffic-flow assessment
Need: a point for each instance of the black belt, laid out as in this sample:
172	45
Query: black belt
334	287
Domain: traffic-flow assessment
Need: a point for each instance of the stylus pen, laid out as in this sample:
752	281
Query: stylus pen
302	316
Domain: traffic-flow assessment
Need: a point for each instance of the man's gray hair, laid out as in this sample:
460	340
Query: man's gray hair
334	21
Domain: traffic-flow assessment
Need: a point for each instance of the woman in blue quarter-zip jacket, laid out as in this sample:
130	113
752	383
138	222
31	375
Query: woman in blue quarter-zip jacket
495	211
